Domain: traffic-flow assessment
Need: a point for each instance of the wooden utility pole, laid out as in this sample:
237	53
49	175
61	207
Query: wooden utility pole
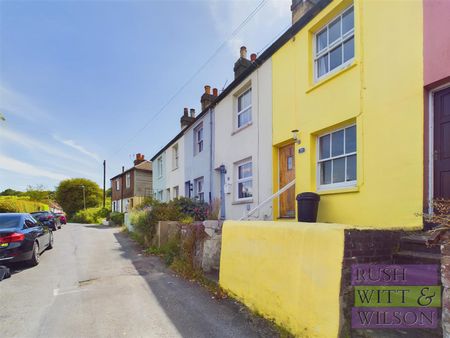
104	184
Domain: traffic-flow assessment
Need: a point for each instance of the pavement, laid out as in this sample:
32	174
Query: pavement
97	283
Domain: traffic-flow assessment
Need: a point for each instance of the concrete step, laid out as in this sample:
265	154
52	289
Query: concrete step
416	257
417	243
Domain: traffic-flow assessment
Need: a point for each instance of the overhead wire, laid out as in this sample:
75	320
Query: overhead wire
191	78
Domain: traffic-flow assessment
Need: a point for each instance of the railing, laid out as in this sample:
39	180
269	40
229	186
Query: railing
267	200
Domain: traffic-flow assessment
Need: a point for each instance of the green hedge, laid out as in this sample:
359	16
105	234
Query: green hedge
90	216
20	204
117	218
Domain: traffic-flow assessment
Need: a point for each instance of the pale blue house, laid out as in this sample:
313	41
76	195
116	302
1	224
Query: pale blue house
198	156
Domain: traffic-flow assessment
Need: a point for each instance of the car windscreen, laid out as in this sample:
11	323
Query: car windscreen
9	221
38	213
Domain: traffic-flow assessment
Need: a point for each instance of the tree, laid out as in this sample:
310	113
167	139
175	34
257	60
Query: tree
11	192
39	193
69	194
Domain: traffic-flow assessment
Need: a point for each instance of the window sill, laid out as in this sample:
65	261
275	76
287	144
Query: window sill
342	190
242	128
246	201
173	169
331	76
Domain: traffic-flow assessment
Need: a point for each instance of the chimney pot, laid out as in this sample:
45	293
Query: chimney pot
192	112
186	112
207	89
253	57
215	92
243	52
242	63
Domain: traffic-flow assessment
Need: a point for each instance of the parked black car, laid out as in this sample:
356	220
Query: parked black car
22	238
47	218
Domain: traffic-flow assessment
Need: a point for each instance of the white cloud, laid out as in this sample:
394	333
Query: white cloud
16	166
36	145
74	145
14	103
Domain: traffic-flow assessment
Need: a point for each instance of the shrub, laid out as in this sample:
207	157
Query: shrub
197	210
117	218
89	216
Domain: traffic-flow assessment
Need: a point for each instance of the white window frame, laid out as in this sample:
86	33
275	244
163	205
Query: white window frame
199	143
241	180
175	157
199	188
168	194
332	186
128	180
160	196
327	50
243	110
159	161
176	191
117	184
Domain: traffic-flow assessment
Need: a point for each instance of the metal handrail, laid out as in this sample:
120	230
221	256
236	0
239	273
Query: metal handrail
270	198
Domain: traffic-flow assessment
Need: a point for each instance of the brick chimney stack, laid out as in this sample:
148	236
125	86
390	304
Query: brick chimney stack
206	98
242	63
186	120
300	7
139	159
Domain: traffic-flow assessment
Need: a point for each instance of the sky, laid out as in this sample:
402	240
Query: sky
86	81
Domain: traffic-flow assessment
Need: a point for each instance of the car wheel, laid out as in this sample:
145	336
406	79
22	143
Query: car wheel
50	242
34	260
59	227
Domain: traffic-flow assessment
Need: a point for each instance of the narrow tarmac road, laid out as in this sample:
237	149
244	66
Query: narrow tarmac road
95	283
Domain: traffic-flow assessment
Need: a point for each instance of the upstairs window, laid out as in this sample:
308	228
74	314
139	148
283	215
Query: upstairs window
337	158
198	139
335	44
244	109
160	167
117	184
128	180
244	180
175	157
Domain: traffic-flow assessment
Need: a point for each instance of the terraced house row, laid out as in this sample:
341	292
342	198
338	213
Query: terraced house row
351	102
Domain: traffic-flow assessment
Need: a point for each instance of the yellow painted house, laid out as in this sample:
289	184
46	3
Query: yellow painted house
351	82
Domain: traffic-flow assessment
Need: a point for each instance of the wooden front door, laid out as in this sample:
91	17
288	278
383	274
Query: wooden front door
287	174
442	144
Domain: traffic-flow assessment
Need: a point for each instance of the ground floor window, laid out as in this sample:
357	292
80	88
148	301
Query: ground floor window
167	194
244	176
199	189
336	165
176	192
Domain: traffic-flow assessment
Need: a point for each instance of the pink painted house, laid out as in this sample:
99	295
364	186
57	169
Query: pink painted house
437	100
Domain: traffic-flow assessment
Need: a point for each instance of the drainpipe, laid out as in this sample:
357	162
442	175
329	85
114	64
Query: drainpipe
223	171
121	190
211	154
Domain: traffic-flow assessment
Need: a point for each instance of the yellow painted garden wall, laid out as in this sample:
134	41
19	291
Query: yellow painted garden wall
381	91
289	272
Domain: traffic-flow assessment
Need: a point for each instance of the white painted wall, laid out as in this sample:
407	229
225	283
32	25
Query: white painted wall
253	141
175	176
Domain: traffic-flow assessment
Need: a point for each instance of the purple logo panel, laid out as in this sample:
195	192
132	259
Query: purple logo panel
405	274
395	318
